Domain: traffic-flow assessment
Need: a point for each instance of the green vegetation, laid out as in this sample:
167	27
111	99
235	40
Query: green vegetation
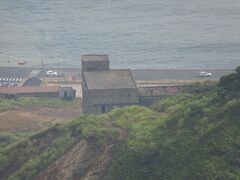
10	138
196	139
193	135
7	104
229	86
29	157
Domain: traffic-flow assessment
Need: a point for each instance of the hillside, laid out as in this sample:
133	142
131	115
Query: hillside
195	135
23	116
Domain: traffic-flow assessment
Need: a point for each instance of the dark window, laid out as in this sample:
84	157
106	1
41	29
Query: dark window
103	108
65	94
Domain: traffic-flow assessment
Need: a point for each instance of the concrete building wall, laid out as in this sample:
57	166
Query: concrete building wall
95	65
112	96
105	97
95	62
101	101
91	63
97	109
66	93
84	96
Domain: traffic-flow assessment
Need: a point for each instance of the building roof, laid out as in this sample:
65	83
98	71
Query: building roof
95	57
28	89
110	79
14	72
33	81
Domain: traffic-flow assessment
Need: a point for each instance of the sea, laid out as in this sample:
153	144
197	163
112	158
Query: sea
137	34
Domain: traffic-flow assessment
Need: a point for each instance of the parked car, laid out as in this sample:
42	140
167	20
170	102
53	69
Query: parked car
51	73
205	74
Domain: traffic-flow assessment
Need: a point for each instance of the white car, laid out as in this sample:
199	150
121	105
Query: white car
205	74
51	73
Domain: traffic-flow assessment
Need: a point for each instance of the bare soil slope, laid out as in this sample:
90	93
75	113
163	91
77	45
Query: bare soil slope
86	160
31	119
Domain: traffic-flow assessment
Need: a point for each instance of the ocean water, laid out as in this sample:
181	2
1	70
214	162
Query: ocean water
145	34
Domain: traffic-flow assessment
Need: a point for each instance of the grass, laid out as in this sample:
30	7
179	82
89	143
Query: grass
194	136
33	154
7	138
191	136
7	104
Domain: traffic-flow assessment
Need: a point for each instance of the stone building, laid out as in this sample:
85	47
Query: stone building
67	92
105	89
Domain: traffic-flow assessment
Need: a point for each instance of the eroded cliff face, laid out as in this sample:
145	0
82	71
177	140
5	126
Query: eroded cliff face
86	160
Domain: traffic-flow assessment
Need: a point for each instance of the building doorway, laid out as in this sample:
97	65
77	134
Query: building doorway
103	108
65	94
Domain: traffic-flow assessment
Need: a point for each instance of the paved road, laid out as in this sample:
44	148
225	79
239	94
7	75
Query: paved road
139	75
157	75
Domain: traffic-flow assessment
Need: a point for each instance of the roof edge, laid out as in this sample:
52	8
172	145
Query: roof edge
134	81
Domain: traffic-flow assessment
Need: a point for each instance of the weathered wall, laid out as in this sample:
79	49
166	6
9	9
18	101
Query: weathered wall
110	99
97	109
66	93
149	95
95	65
84	96
113	96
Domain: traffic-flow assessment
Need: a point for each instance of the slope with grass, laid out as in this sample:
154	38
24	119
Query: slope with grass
8	104
23	116
191	136
198	137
